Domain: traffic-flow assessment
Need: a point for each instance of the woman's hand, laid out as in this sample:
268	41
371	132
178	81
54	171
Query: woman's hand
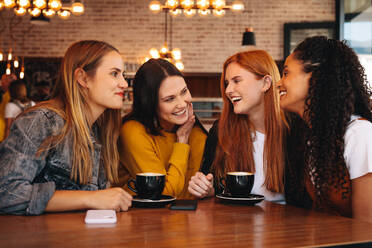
66	200
114	198
201	185
184	131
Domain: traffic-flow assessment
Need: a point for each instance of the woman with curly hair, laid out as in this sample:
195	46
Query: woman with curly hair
324	83
248	136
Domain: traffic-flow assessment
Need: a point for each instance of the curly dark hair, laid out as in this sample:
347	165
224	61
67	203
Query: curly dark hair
337	89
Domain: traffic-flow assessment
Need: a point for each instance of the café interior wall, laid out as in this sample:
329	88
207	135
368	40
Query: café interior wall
129	25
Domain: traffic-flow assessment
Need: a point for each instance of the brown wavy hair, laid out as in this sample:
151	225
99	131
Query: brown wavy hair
234	151
71	104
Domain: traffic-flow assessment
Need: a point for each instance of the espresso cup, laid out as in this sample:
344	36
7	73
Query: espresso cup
238	183
148	185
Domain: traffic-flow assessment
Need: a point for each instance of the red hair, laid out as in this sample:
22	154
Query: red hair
234	151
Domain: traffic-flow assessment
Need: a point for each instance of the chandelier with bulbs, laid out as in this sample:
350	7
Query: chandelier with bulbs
172	55
12	61
40	10
189	8
47	8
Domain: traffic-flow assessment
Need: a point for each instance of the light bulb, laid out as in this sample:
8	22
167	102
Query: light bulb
176	54
189	12
48	12
64	14
180	65
77	8
16	63
204	12
24	3
164	49
8	71
155	6
41	4
21	75
55	5
1	56
237	6
218	13
35	12
9	3
218	4
202	4
154	53
10	55
20	11
171	4
187	4
175	12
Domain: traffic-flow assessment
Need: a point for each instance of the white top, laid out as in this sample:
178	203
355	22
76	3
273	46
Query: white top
259	176
12	110
358	147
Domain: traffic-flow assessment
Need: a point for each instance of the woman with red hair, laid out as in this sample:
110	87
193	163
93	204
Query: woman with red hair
248	136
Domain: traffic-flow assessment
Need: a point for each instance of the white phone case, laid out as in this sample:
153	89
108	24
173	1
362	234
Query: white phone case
100	216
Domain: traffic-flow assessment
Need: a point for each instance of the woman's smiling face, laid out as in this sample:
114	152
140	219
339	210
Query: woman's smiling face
174	101
244	90
294	86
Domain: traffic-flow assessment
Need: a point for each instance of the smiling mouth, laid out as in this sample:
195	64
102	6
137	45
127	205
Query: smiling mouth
179	112
282	93
235	99
120	94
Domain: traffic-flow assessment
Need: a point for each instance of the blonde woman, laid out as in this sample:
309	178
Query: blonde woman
60	155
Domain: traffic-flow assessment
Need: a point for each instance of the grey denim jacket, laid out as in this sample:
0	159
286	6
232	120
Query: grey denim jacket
27	182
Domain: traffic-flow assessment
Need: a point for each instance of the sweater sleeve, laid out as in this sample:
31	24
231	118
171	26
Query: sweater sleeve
210	149
19	166
139	154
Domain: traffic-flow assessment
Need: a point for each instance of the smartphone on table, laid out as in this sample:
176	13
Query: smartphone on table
183	204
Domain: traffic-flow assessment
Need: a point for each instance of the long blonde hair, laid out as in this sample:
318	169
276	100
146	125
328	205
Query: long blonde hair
74	109
235	144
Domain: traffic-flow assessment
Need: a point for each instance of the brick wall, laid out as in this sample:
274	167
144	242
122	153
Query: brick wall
130	26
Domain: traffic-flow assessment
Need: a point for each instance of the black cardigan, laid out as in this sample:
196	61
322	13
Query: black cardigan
209	154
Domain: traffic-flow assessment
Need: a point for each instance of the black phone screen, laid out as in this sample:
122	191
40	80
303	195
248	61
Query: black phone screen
184	205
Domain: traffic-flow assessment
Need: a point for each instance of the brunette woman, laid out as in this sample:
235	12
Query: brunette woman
324	83
60	155
248	136
161	133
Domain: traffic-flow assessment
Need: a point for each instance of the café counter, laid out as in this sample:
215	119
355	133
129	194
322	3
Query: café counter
213	224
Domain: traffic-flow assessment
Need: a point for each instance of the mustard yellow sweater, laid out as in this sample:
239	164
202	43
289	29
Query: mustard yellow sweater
143	152
6	99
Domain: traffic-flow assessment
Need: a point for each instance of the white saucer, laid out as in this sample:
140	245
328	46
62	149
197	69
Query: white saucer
250	199
164	200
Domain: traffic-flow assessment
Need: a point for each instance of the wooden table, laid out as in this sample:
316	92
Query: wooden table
212	225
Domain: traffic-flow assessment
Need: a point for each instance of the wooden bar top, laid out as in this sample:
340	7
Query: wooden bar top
213	224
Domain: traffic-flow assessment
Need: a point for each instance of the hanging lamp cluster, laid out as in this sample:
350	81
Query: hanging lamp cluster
172	55
190	7
47	8
13	63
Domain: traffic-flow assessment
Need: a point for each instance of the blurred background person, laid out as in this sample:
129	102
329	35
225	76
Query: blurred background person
4	98
42	91
17	104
